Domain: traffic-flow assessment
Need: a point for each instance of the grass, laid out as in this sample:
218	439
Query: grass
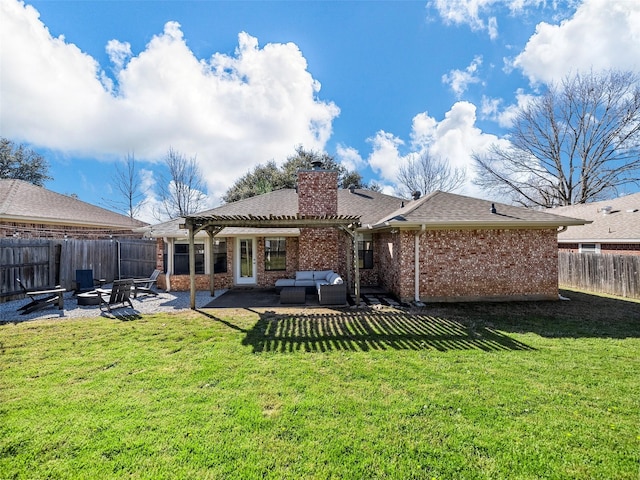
526	390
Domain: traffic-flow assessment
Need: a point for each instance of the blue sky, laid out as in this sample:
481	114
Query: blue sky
236	84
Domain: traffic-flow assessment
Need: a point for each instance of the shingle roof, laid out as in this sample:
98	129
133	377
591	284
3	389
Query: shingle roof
448	210
620	225
22	201
377	210
369	205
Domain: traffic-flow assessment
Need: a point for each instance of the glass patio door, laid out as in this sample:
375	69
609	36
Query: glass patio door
246	265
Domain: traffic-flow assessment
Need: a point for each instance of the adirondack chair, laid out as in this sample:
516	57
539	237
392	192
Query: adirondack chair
41	298
143	285
85	282
118	295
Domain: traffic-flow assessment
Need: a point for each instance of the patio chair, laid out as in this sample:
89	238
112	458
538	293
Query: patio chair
120	293
41	298
85	282
143	285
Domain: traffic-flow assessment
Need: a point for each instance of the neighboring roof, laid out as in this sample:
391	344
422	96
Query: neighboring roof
22	201
620	224
377	210
448	210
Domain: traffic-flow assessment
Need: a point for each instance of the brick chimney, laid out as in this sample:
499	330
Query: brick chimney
319	248
318	191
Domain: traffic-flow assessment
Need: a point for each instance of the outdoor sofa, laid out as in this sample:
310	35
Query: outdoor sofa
328	284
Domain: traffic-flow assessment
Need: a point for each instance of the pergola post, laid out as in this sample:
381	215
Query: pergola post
192	264
212	232
351	231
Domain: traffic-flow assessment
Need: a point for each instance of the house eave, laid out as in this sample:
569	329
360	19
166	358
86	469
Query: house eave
468	225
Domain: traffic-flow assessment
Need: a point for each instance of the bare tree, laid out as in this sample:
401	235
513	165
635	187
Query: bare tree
183	191
127	183
578	142
426	173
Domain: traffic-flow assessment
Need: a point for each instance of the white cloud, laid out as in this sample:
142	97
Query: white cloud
230	111
385	158
476	13
601	34
119	53
349	157
459	80
492	108
455	138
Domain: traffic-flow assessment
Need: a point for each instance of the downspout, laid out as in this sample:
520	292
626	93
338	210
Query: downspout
562	229
169	272
416	262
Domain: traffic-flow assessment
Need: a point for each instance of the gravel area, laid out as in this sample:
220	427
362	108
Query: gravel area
163	302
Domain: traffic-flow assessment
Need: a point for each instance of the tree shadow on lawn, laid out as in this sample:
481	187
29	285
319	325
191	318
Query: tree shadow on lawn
366	331
583	315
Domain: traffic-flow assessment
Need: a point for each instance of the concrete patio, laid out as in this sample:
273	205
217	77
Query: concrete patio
252	297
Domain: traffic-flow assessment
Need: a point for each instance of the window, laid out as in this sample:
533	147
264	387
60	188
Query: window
589	248
275	254
365	250
181	258
220	255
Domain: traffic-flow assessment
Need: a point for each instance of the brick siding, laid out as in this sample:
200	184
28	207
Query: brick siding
319	249
485	264
387	246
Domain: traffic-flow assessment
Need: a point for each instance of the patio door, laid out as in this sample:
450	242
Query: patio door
246	261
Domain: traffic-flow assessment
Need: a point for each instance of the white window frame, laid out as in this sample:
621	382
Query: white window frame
587	248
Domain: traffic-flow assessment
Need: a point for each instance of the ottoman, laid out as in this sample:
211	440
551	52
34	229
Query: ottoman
293	295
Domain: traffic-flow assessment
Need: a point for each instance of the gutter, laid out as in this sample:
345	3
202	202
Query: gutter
474	225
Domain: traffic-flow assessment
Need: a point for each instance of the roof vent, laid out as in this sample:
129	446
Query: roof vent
606	210
493	208
416	195
316	165
352	188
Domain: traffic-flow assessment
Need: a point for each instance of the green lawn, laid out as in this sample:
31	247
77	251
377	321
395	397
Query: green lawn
525	390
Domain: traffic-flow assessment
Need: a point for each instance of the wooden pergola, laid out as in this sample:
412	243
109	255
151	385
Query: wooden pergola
213	224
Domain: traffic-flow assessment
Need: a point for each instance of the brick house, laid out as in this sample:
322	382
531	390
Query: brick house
441	247
614	227
30	211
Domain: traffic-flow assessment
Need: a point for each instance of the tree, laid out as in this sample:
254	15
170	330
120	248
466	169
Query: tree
268	177
182	192
127	183
426	174
578	142
22	163
262	179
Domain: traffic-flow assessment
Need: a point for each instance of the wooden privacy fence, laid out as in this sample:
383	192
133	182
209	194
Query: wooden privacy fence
34	261
601	273
42	263
137	258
